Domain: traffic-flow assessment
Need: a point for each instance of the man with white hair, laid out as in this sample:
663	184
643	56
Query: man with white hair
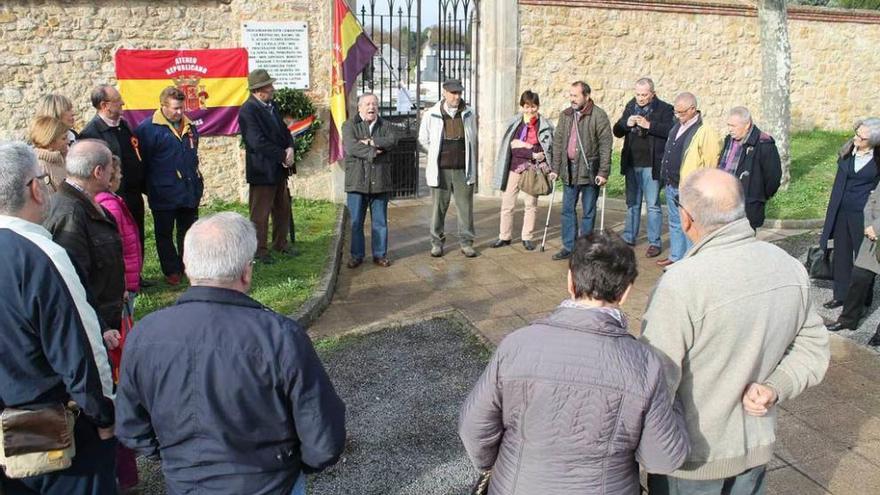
751	156
88	232
735	327
230	394
51	341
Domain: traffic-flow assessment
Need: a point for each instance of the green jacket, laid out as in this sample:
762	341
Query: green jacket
368	168
595	141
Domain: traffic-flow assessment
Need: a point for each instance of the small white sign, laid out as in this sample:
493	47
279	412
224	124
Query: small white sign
282	48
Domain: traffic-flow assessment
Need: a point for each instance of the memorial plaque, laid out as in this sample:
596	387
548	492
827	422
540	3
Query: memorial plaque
282	48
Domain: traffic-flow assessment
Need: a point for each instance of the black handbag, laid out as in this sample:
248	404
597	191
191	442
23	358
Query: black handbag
819	263
481	487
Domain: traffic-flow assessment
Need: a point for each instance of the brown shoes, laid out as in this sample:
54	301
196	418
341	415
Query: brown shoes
354	262
665	262
383	262
173	279
652	252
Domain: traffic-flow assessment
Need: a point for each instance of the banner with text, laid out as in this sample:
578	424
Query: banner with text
214	82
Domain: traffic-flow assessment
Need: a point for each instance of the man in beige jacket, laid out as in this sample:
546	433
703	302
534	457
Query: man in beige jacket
735	327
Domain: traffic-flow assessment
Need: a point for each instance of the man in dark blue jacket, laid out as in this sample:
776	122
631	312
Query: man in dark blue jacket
50	347
268	164
230	394
169	145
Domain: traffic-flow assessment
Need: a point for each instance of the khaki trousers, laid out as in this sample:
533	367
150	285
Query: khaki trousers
274	200
508	204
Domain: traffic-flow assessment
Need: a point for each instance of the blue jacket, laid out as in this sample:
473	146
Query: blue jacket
850	191
171	163
230	393
50	347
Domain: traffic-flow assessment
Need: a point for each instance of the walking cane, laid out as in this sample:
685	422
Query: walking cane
602	215
547	223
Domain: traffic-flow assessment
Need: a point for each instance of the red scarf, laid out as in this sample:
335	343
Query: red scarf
529	133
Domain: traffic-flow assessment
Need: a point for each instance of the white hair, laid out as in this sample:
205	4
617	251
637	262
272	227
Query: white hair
711	206
85	156
18	165
646	81
872	124
742	113
219	247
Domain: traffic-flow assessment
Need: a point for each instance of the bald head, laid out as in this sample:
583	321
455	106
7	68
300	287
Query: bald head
85	156
713	198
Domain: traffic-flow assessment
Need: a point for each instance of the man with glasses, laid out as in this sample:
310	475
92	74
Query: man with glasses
689	147
51	341
88	232
109	126
736	330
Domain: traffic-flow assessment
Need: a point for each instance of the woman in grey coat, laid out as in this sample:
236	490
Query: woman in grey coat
526	144
573	403
861	286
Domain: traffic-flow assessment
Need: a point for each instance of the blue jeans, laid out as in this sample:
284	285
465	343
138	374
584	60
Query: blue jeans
588	194
751	482
357	208
299	488
640	183
678	242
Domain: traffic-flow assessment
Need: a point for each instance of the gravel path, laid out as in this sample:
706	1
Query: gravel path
403	388
797	246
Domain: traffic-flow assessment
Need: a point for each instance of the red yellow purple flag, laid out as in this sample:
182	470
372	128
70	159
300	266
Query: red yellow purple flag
352	52
214	82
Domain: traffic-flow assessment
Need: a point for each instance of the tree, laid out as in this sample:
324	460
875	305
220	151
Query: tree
776	77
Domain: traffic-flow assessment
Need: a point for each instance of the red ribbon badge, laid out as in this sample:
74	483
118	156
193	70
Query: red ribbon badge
137	150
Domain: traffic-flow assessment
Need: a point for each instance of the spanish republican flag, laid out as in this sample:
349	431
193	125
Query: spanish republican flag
214	82
352	52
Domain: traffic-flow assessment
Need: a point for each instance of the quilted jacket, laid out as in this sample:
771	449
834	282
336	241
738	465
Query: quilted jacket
570	405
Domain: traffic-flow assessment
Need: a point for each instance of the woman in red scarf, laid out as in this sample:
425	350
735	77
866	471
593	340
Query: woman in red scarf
526	144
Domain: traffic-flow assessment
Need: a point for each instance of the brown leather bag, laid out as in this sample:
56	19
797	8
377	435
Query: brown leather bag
36	441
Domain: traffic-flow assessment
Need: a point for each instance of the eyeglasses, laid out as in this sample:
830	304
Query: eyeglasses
680	207
682	112
44	178
861	138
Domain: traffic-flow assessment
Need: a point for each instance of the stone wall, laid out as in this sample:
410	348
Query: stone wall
711	49
68	46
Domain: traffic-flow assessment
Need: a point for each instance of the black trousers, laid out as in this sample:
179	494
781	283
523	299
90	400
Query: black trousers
134	200
858	297
93	471
849	229
164	221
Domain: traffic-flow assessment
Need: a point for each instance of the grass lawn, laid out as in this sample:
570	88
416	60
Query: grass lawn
282	286
813	165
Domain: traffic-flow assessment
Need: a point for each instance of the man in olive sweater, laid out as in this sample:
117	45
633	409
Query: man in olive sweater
735	326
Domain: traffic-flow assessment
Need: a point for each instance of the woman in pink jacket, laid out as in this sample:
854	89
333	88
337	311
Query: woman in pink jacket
126	465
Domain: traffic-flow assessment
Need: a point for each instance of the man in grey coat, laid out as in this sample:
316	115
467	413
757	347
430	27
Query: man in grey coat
737	333
592	397
367	139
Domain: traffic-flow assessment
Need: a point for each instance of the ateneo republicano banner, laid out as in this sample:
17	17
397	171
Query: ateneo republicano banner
214	82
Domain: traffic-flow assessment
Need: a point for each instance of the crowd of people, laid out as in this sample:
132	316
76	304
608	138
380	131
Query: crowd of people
232	397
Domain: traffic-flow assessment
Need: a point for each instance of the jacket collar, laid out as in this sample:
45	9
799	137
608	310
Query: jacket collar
102	126
735	233
589	320
160	120
462	107
543	123
219	295
76	195
588	109
21	225
359	120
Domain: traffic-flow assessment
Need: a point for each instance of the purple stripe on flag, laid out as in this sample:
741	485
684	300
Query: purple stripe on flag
359	56
215	121
336	152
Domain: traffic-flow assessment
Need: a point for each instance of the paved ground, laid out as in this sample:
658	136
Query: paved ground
829	439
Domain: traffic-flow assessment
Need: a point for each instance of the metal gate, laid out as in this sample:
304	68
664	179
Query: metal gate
407	72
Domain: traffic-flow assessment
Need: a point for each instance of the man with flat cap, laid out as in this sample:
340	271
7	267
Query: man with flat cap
268	163
449	134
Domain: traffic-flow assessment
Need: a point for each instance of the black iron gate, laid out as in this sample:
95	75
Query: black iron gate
407	72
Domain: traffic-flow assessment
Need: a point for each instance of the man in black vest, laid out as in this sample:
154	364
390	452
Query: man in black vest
109	126
268	164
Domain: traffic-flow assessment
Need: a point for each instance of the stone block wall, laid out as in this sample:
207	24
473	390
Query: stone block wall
68	46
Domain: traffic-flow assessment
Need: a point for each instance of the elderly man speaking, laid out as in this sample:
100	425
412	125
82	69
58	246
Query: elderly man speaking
231	394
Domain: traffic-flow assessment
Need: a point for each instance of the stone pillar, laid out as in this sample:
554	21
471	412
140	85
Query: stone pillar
498	58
